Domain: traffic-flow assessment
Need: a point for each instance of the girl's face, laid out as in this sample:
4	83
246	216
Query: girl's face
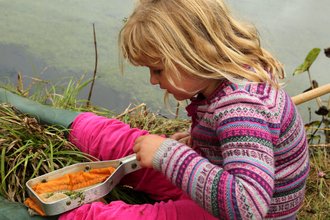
191	85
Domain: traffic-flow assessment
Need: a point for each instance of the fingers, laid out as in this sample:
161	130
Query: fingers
136	149
179	135
190	143
146	147
141	149
138	156
185	139
137	144
176	136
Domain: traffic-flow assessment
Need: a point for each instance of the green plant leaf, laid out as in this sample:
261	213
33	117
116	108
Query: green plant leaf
312	55
314	137
316	123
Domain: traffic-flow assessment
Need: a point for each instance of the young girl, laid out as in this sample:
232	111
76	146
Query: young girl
249	155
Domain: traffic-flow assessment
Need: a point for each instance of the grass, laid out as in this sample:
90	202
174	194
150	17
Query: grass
316	203
29	149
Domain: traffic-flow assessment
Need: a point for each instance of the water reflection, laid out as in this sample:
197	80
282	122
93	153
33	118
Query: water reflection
59	34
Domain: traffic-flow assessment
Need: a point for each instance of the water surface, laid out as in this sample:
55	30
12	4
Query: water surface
59	34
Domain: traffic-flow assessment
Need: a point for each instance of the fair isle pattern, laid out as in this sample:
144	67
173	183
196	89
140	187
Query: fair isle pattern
254	157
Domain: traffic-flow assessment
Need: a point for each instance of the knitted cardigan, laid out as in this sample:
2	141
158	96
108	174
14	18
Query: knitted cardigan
250	156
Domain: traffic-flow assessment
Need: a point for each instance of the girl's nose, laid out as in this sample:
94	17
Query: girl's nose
153	79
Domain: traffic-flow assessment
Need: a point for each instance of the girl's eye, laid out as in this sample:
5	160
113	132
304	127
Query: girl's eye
157	71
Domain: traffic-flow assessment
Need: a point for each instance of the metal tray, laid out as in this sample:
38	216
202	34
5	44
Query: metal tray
123	166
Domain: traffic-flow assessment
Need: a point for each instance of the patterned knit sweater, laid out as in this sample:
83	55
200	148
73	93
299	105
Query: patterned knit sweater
250	157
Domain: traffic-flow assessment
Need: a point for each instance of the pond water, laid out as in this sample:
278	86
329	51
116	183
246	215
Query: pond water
59	35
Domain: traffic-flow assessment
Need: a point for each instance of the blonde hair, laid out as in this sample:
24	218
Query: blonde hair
200	36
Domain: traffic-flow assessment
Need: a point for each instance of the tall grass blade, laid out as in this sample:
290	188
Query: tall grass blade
3	170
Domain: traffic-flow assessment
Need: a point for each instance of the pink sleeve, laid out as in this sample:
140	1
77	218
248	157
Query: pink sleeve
103	138
183	209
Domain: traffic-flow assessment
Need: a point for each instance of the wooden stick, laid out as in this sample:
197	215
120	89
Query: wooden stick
319	145
90	91
177	110
312	94
133	109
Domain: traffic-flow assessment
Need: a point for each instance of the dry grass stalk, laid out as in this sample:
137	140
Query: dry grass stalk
142	118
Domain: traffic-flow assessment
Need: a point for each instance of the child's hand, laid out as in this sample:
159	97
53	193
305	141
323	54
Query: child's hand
183	135
146	147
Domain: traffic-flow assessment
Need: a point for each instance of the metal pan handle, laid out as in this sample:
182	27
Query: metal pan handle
129	164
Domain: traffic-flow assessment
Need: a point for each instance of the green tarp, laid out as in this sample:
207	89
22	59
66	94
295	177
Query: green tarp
17	211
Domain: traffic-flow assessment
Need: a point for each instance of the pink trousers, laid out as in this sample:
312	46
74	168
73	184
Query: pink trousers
110	139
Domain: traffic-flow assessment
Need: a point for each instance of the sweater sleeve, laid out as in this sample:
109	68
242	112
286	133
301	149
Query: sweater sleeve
241	187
